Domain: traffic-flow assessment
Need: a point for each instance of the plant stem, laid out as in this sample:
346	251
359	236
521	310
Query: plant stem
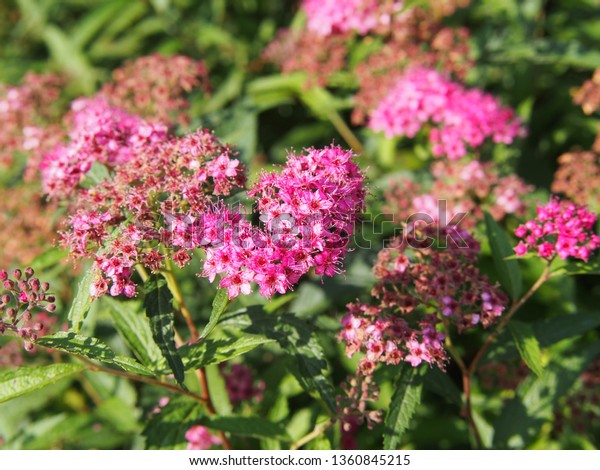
506	318
316	432
468	373
201	372
345	131
141	378
466	379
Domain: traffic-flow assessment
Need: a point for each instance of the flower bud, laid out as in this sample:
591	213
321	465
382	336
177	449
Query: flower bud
17	273
45	286
51	307
29	272
9	284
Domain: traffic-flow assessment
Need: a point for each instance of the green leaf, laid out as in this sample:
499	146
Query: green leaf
439	382
219	305
249	426
166	430
215	351
134	327
528	346
158	303
92	348
95	176
14	383
508	270
575	268
405	400
299	341
82	301
522	417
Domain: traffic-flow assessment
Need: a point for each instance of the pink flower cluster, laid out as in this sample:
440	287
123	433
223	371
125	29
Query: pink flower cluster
308	212
155	86
99	133
326	17
23	297
123	220
30	117
460	118
560	228
421	288
200	438
239	382
460	192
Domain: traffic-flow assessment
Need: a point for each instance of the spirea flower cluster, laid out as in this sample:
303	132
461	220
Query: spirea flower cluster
327	17
155	87
308	212
459	194
99	133
578	177
562	229
160	190
460	119
200	438
30	115
23	296
427	280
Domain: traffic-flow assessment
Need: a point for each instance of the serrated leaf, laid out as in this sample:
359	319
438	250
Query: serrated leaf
158	303
166	430
248	426
508	270
307	361
91	348
403	405
219	305
82	301
522	417
527	345
134	327
14	383
215	351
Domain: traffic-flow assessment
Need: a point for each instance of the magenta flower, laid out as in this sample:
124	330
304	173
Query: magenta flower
562	229
459	118
326	17
200	438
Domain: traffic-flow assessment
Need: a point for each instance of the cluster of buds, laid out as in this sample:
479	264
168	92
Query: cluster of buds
460	192
22	296
353	404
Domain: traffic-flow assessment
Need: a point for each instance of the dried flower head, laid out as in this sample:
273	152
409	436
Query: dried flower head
427	280
578	178
155	87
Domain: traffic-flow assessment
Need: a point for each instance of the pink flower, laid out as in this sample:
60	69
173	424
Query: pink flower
326	17
561	229
460	118
199	438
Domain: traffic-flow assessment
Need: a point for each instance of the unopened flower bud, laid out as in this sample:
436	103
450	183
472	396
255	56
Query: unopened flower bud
17	273
9	284
11	313
26	315
45	286
50	298
3	276
29	272
28	346
51	307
